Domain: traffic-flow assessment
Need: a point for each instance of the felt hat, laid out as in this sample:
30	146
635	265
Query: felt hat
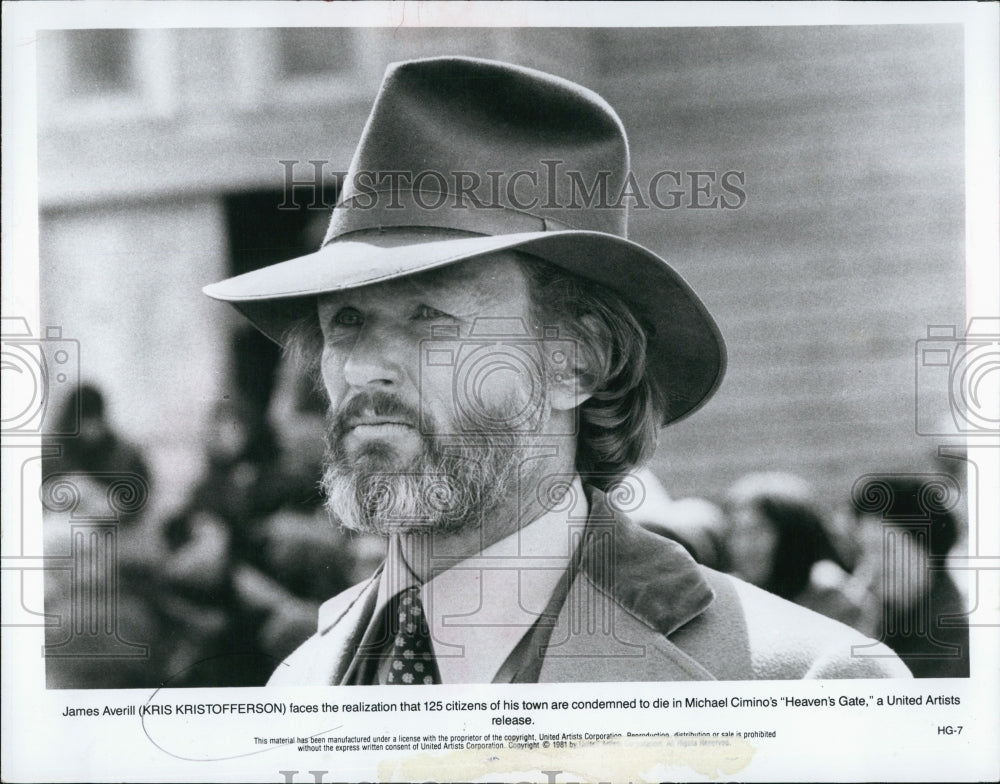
503	158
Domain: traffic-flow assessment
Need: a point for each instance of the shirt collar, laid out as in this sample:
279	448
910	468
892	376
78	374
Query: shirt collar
480	608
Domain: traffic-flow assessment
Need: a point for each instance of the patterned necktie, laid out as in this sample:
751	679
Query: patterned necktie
412	657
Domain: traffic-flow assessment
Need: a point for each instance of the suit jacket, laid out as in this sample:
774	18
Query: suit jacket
637	607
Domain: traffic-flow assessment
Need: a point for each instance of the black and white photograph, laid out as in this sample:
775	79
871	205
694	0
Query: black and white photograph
621	381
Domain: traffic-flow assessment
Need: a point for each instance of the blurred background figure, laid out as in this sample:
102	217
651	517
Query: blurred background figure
779	541
205	626
96	448
240	482
96	485
953	460
251	552
909	600
216	535
699	526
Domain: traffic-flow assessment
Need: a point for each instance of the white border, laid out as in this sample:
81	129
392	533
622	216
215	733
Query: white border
37	747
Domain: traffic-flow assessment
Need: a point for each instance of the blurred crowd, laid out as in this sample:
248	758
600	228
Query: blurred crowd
876	563
219	589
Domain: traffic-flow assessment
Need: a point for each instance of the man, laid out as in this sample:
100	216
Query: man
498	357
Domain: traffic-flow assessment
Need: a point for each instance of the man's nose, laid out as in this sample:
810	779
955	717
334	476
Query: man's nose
377	359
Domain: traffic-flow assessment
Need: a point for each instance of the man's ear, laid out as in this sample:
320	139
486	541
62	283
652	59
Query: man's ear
572	383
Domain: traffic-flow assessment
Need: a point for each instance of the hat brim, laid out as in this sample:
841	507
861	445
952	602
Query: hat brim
686	353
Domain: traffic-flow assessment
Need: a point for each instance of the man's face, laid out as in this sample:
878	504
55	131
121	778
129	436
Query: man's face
407	445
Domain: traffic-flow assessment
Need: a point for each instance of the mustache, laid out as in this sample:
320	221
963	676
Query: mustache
374	403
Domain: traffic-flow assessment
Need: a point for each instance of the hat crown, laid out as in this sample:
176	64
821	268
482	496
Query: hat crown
485	147
527	161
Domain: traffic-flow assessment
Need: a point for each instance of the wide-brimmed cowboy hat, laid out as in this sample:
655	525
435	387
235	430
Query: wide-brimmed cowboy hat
505	158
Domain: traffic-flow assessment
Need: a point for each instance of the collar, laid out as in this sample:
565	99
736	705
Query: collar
664	587
481	607
661	583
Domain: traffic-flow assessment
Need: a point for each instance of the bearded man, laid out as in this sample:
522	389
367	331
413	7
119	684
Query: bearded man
498	358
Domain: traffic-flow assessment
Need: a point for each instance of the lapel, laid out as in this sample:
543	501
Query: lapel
343	622
629	591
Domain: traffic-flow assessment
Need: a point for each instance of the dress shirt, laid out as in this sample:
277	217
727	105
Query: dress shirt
479	608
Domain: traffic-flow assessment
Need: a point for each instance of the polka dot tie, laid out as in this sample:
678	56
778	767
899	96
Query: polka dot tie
412	656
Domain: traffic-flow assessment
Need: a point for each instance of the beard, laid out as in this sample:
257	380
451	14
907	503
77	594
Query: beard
451	485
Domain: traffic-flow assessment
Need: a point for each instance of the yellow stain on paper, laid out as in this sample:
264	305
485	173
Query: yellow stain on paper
598	762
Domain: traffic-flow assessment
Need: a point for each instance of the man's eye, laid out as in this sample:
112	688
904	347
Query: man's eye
348	317
425	312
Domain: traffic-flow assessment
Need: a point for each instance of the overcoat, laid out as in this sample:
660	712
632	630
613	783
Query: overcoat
636	607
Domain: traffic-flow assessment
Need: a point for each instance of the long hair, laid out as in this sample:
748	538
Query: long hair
619	422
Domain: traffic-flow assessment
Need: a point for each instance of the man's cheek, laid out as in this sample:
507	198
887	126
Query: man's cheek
510	401
438	400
